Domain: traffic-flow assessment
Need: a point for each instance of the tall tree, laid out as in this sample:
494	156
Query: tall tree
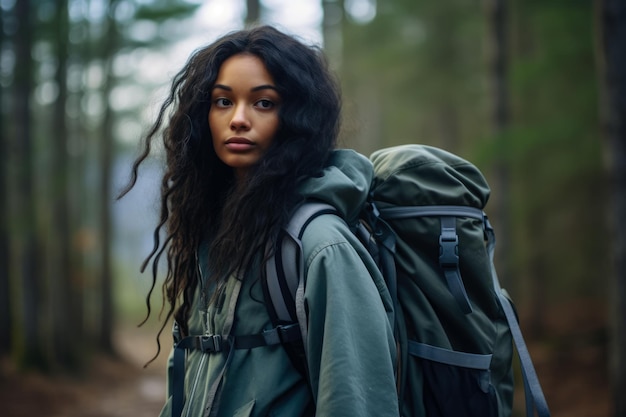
109	47
5	287
28	240
331	30
497	19
253	12
612	19
66	296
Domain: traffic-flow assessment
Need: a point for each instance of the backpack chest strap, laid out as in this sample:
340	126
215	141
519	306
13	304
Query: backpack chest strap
216	344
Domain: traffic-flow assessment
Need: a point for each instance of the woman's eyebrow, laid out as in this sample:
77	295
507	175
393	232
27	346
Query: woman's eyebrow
264	87
222	87
257	88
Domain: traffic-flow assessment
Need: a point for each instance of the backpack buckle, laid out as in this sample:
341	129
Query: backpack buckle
289	333
282	334
449	251
209	343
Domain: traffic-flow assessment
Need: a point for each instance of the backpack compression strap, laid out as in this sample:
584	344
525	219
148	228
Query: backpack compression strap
533	393
448	241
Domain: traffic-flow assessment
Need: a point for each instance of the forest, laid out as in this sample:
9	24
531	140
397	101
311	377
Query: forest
533	92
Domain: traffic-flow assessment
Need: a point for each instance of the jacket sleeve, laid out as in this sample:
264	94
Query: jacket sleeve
350	345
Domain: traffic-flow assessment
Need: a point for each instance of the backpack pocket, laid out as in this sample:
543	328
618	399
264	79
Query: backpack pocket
455	384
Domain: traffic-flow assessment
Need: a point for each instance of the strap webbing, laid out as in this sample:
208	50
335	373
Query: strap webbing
450	357
448	241
449	262
283	275
430	211
380	241
533	393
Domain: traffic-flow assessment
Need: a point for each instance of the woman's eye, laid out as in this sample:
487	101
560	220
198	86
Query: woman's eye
222	102
265	104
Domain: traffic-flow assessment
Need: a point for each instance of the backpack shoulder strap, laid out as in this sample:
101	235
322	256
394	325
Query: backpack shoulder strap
283	284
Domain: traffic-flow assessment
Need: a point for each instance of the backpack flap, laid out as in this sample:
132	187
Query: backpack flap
420	175
434	201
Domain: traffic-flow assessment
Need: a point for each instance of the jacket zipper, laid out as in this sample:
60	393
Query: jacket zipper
203	358
203	297
195	383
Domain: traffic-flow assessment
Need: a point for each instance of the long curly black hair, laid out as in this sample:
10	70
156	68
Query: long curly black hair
200	201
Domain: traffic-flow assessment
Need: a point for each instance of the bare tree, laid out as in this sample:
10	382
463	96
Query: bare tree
612	21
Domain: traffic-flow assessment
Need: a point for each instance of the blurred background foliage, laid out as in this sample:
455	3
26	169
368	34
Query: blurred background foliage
518	87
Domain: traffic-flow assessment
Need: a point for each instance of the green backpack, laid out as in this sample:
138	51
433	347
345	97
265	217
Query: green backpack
455	327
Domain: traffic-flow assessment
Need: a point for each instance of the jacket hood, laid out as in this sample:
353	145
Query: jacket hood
344	183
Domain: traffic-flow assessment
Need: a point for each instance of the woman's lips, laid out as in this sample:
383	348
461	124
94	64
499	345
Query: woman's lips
238	144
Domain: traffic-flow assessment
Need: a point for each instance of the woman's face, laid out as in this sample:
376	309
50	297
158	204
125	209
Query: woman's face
243	117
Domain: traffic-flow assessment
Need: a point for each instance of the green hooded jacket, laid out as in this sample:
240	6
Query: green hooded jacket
350	345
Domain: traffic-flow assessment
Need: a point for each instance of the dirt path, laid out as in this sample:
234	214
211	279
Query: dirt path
113	387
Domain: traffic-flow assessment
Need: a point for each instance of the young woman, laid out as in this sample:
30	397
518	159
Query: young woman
252	125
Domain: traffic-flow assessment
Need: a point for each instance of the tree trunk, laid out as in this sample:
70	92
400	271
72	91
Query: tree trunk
332	22
27	239
497	14
612	20
6	315
65	295
107	318
253	12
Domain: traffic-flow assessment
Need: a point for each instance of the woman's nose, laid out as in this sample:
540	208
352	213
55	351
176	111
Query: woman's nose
240	119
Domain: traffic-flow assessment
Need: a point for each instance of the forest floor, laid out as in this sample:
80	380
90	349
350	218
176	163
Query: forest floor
112	387
571	364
